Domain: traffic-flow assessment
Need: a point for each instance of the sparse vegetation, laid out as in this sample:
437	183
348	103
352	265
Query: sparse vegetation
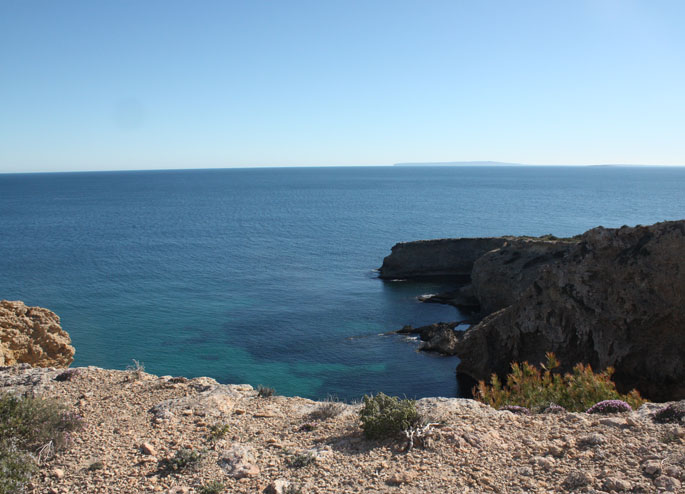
135	370
218	431
301	460
264	392
385	417
184	459
671	414
533	388
213	487
31	430
610	406
16	468
33	423
329	409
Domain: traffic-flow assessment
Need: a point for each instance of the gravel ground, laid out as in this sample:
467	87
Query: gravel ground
136	422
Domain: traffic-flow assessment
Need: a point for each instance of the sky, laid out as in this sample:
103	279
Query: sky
94	85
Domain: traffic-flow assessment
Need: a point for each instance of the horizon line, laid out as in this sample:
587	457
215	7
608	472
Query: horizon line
418	164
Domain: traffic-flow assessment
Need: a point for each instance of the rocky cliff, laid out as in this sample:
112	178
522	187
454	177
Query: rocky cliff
32	335
616	298
452	257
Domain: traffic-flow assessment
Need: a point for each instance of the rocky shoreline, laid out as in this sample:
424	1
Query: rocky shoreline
135	422
608	297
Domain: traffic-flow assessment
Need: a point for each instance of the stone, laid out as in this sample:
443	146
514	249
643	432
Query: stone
615	484
32	335
591	440
239	461
279	486
148	449
545	463
58	473
667	483
401	478
612	422
651	467
179	490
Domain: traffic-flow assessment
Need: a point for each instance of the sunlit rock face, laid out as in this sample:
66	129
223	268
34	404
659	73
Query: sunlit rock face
32	335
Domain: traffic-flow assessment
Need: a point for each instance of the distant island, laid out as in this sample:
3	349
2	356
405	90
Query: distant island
461	163
500	163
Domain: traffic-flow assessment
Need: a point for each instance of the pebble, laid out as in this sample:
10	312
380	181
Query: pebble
148	449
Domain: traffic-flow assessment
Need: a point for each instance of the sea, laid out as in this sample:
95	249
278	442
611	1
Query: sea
268	276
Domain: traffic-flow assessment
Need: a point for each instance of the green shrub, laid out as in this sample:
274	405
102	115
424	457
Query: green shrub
16	468
218	431
534	388
385	416
183	459
213	487
33	423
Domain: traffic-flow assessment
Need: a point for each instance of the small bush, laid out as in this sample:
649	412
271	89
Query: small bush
329	409
301	460
33	423
385	416
264	392
183	459
671	414
213	487
135	370
535	388
218	431
16	468
610	406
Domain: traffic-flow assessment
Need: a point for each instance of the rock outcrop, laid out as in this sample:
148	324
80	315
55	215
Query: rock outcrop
616	297
32	335
500	276
453	257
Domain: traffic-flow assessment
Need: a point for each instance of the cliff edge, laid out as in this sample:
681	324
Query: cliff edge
609	297
32	335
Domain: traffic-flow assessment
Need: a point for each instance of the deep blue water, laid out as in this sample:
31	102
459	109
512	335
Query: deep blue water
265	276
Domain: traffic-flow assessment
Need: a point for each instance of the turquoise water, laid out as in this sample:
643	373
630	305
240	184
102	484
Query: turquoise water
266	276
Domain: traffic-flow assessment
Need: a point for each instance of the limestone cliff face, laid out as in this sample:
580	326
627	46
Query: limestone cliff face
32	335
615	298
500	276
452	257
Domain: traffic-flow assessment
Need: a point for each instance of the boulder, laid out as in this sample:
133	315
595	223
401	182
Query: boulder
32	335
616	297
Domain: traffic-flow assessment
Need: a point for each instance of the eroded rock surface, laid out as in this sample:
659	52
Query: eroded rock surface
32	335
616	298
500	276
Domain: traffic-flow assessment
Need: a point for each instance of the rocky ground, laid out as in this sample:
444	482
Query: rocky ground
134	421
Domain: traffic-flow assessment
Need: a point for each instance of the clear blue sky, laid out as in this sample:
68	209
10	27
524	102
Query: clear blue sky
90	85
